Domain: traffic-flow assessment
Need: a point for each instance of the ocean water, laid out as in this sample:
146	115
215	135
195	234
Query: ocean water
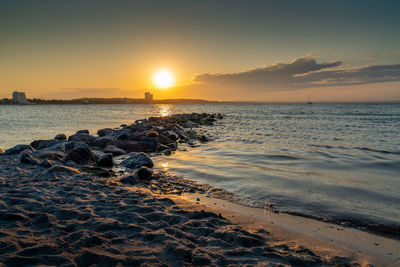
336	161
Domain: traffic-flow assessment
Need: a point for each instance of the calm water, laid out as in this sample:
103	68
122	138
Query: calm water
328	160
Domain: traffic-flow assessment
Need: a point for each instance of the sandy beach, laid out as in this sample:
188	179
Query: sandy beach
89	201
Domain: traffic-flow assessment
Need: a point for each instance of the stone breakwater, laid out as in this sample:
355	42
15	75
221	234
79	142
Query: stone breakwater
126	147
59	206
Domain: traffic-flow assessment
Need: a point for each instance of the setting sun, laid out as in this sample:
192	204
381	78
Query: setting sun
163	79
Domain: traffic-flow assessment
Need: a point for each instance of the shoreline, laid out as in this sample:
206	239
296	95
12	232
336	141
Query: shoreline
25	212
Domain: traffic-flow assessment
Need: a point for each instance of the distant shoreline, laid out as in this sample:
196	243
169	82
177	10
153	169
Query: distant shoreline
122	101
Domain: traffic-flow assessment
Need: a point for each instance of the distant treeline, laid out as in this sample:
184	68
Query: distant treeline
36	101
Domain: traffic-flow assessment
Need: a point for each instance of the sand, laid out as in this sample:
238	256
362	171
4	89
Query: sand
66	219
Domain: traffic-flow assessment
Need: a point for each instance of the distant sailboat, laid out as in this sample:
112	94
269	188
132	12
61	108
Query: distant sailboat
309	102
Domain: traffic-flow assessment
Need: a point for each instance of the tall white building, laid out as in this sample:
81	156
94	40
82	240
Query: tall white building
19	97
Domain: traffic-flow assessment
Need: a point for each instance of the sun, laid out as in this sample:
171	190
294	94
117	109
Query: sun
163	78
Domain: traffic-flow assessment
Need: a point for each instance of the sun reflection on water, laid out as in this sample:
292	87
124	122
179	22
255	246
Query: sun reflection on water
165	110
164	165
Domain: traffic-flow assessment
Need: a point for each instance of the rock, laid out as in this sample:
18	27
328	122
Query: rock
97	170
18	149
166	152
46	163
190	124
172	136
81	155
82	132
61	168
162	147
49	154
104	141
131	146
115	151
60	137
151	134
129	179
203	138
105	161
39	144
151	143
27	158
163	139
68	146
1	151
173	146
144	173
124	134
137	160
54	142
105	132
82	137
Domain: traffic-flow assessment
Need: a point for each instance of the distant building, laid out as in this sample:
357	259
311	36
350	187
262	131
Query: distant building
19	98
148	97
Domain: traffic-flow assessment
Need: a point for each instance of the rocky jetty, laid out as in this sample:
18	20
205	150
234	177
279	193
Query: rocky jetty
128	146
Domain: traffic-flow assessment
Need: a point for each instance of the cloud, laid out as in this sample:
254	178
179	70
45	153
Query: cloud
301	73
393	53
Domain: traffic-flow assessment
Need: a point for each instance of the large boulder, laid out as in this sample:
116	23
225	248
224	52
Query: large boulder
105	161
137	160
163	139
81	155
104	141
18	149
150	143
105	132
124	134
40	144
82	137
54	142
115	151
82	131
130	146
27	158
69	146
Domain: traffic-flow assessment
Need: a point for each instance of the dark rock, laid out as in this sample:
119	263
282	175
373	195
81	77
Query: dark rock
61	168
82	137
105	160
96	170
27	158
56	155
68	146
54	142
39	144
151	143
105	132
166	152
18	149
203	138
60	137
46	163
138	160
151	134
171	135
163	139
82	132
173	146
144	173
162	147
124	134
115	151
190	124
131	146
104	141
81	155
129	179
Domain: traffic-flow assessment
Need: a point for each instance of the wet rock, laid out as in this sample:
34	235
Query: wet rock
82	137
144	173
163	139
203	138
151	134
173	146
130	146
56	155
129	179
27	158
18	149
97	170
68	146
166	152
104	141
46	163
105	161
124	135
190	124
115	151
137	160
39	144
82	132
54	142
61	168
60	137
171	135
151	143
81	155
105	132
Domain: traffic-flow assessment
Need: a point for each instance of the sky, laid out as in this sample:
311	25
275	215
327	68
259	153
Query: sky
217	50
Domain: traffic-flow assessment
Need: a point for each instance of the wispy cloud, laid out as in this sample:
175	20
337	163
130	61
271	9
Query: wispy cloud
301	73
393	53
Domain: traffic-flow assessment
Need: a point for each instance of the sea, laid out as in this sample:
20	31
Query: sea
336	162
